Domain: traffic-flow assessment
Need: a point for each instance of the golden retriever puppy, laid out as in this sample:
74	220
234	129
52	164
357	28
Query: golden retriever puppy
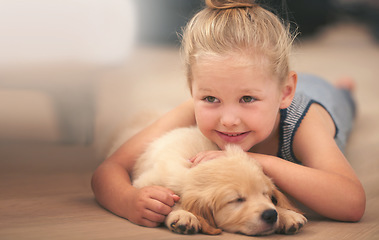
229	193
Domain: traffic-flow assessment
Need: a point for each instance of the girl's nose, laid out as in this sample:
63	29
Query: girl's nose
230	118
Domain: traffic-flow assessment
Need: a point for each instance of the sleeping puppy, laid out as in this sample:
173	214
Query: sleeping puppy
229	193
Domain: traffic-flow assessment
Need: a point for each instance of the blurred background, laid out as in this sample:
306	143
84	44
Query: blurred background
79	71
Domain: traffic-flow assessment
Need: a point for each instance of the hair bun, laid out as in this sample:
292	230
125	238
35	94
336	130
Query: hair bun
226	4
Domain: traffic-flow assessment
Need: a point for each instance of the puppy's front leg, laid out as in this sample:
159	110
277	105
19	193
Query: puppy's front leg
290	222
182	221
290	218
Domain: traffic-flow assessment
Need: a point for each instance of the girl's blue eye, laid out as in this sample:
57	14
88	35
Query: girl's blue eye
247	99
211	99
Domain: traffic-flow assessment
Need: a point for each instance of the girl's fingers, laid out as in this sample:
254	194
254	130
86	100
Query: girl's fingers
154	217
205	156
164	195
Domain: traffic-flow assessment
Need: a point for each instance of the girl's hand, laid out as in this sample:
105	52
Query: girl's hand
150	205
205	156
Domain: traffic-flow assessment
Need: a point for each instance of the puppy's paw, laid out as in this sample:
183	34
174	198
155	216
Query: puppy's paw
183	222
290	222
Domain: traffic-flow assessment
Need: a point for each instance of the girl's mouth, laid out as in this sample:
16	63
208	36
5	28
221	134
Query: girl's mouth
232	137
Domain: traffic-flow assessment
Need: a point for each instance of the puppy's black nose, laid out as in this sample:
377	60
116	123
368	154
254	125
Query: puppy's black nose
270	216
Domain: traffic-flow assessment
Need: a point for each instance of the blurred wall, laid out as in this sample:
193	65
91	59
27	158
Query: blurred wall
52	52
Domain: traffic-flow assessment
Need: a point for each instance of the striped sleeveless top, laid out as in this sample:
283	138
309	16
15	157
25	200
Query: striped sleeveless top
290	119
312	89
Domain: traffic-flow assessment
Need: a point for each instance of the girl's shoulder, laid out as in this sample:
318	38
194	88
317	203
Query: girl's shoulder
297	124
315	135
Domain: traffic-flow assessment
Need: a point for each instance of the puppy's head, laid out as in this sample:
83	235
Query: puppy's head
232	193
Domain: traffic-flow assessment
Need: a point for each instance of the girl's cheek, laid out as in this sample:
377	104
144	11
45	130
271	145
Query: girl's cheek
206	117
200	112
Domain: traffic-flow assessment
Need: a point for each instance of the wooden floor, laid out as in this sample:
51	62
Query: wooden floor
45	188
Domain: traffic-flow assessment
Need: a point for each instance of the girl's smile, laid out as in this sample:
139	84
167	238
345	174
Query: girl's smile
233	137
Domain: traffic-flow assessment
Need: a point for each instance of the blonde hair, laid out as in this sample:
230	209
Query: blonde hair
223	27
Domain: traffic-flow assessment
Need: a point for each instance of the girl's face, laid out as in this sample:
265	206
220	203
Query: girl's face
236	102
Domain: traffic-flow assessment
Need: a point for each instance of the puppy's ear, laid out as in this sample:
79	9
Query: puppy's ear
203	213
283	202
206	228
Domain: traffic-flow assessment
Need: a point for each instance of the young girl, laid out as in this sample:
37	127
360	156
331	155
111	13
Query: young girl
237	58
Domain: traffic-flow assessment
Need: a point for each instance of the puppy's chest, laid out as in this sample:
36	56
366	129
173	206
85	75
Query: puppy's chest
175	177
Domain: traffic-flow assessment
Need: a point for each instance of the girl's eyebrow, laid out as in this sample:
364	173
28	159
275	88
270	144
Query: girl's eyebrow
247	91
251	91
205	89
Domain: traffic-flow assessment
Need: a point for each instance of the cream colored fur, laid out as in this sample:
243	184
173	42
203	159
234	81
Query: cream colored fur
230	193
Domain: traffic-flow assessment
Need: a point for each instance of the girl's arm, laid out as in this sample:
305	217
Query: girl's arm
111	182
325	182
330	194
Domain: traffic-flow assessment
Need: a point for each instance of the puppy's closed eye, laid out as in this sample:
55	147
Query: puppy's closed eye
238	200
274	200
